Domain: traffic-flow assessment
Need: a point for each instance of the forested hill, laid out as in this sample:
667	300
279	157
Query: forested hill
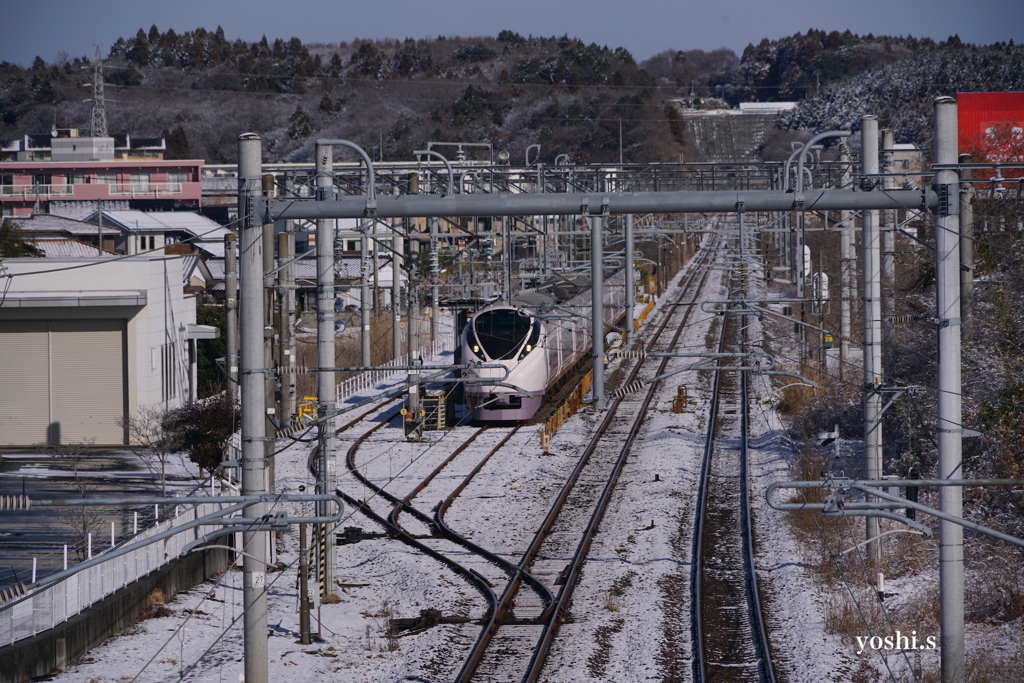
200	91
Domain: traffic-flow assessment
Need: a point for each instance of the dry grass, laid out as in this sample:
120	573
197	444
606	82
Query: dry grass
347	353
611	603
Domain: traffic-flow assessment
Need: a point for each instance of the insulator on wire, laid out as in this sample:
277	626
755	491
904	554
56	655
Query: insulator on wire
14	503
12	592
288	430
628	389
628	354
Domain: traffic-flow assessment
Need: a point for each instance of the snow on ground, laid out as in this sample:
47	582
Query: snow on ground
630	615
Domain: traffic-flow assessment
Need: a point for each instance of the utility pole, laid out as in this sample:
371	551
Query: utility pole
888	231
396	287
435	279
364	293
269	379
99	227
597	306
950	425
325	358
231	310
966	245
847	276
414	341
872	330
630	281
286	317
254	472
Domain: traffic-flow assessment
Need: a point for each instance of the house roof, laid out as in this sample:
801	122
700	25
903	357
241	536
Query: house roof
202	231
59	247
44	223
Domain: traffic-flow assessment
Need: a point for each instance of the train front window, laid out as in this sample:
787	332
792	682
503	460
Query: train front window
501	332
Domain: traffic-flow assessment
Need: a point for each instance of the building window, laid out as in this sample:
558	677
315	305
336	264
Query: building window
106	178
77	179
178	177
42	179
168	368
140	182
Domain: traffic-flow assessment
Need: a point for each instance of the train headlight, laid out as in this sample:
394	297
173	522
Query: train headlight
529	348
476	349
526	350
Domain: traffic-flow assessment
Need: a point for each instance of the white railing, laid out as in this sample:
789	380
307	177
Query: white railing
369	379
33	191
54	603
113	190
144	188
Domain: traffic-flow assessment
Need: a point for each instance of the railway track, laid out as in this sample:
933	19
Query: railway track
571	525
729	634
519	628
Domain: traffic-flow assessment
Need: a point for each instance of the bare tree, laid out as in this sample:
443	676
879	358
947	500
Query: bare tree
150	438
74	524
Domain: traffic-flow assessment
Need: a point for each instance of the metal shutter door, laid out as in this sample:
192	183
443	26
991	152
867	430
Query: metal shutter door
87	379
24	382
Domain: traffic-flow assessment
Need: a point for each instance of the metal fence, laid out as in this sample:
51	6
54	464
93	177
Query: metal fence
54	603
366	380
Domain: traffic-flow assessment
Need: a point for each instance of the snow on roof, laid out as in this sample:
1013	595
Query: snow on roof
165	221
55	248
766	107
47	223
216	267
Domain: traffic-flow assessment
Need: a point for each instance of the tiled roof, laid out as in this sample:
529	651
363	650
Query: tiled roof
56	248
47	223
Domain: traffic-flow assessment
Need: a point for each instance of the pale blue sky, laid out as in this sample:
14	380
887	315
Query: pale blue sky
644	27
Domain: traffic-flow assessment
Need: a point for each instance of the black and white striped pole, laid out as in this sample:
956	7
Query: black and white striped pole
325	386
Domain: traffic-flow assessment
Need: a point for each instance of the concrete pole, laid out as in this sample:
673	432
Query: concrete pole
888	228
966	246
325	387
286	252
231	310
396	288
947	285
377	294
270	382
435	311
597	306
872	330
630	280
412	293
254	472
847	271
414	340
364	294
99	230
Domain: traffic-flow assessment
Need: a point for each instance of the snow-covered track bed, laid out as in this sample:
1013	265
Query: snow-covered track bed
730	641
512	647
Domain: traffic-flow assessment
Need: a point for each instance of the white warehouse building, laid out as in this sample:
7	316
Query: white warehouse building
81	347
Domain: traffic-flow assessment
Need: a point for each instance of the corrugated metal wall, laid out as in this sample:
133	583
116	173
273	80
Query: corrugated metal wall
62	381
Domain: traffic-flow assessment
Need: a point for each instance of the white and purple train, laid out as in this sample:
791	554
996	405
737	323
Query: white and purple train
538	337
